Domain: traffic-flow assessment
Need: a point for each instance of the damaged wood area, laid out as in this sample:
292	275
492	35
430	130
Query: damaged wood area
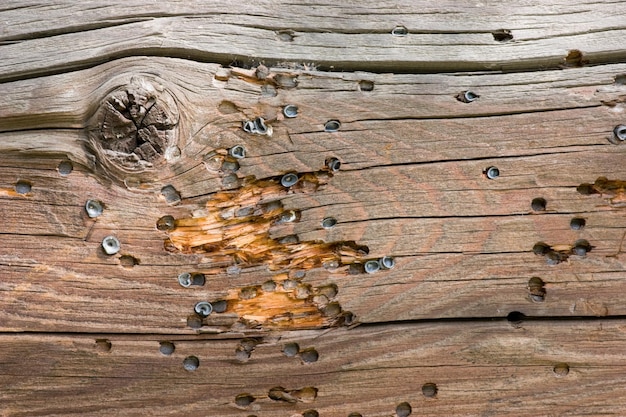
306	211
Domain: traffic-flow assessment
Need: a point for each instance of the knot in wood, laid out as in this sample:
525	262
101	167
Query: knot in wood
136	126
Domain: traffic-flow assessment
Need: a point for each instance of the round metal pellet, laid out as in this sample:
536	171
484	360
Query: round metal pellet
260	127
166	223
185	280
329	222
332	126
289	179
290	111
191	363
93	208
492	173
111	245
371	266
203	308
333	164
288	217
387	262
400	31
620	132
470	96
237	151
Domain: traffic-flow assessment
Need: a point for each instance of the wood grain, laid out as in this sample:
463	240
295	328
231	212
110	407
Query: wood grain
488	368
411	185
443	37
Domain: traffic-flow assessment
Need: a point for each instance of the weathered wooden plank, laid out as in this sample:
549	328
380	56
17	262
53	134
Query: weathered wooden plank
411	185
442	37
488	368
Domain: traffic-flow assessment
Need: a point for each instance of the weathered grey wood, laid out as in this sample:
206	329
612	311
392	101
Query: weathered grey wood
444	37
489	368
410	186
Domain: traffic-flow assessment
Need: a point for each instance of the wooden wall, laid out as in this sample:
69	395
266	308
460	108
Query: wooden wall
506	296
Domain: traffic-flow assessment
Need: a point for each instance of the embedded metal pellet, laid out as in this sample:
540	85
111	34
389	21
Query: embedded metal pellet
237	152
111	245
93	208
290	111
372	266
203	308
289	179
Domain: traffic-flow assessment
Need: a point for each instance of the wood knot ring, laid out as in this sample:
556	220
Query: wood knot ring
137	126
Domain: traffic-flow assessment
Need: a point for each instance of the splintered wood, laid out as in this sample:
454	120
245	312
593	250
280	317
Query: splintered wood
236	230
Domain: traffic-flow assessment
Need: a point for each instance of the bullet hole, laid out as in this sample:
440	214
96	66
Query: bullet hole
538	204
329	291
620	79
128	261
198	279
309	355
541	248
302	292
65	168
356	269
355	415
170	194
331	265
243	351
227	107
333	164
403	410
492	173
230	167
194	321
285	35
288	216
429	390
467	96
268	286
555	258
502	35
310	413
111	245
103	345
536	289
248	293
291	349
515	318
244	400
574	59
166	348
581	247
191	363
400	31
289	284
332	309
329	222
332	126
560	370
586	189
577	223
166	224
94	208
286	80
230	182
366	85
305	395
220	306
23	187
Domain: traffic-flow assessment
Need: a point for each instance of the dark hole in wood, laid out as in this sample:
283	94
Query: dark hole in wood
309	355
103	345
291	349
310	413
171	195
285	35
191	363
577	223
403	410
128	261
502	35
561	370
220	306
620	79
244	400
167	348
581	247
268	286
23	187
429	389
65	168
536	289
515	318
538	204
166	223
366	85
355	415
586	189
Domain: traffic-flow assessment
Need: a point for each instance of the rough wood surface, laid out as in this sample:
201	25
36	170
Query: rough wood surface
142	102
555	368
